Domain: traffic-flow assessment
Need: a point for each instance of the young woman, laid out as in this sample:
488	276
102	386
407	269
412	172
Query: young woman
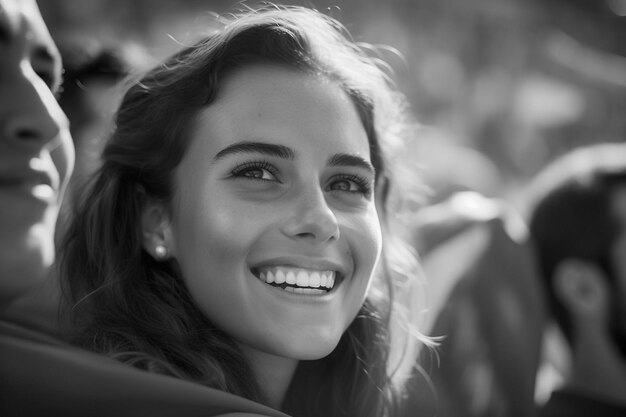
233	233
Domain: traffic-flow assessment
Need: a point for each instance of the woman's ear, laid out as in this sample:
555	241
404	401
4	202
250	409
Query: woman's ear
156	231
582	287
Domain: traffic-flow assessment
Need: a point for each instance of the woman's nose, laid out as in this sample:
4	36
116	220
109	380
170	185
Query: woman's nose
313	218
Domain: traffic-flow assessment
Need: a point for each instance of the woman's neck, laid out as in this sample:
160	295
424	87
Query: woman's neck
273	374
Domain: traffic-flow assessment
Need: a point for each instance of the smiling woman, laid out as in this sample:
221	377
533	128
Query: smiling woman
233	233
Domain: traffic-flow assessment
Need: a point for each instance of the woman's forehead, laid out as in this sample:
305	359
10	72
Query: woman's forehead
261	101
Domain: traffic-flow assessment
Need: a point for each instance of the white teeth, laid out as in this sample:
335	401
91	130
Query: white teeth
299	279
302	279
315	280
280	276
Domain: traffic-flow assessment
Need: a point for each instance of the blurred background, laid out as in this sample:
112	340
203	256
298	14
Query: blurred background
499	88
504	85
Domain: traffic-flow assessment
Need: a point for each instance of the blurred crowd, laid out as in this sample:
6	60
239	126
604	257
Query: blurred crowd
519	81
521	108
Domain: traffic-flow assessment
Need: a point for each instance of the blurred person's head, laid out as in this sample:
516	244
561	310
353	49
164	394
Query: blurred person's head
92	71
36	153
578	223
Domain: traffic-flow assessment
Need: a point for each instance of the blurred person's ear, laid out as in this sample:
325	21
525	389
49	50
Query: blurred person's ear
582	287
156	231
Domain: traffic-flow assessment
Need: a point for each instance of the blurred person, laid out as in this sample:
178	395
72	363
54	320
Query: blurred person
36	153
482	294
93	72
89	96
484	305
578	224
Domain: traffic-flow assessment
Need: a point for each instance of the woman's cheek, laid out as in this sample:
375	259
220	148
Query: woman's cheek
365	236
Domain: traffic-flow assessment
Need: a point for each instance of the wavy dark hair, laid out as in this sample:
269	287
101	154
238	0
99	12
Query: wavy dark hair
126	305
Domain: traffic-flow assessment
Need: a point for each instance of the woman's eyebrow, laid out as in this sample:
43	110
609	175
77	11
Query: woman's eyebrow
347	160
269	149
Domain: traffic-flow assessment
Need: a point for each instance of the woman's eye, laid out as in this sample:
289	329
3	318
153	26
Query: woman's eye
351	184
261	171
344	185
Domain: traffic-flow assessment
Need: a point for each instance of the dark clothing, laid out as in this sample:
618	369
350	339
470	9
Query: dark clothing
41	376
564	403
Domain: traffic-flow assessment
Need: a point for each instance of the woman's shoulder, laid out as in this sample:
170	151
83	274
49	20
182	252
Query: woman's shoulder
40	375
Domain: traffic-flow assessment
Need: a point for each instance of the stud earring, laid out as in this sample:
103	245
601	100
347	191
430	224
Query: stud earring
161	252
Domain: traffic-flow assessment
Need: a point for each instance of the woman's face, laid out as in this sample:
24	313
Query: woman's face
274	224
36	152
